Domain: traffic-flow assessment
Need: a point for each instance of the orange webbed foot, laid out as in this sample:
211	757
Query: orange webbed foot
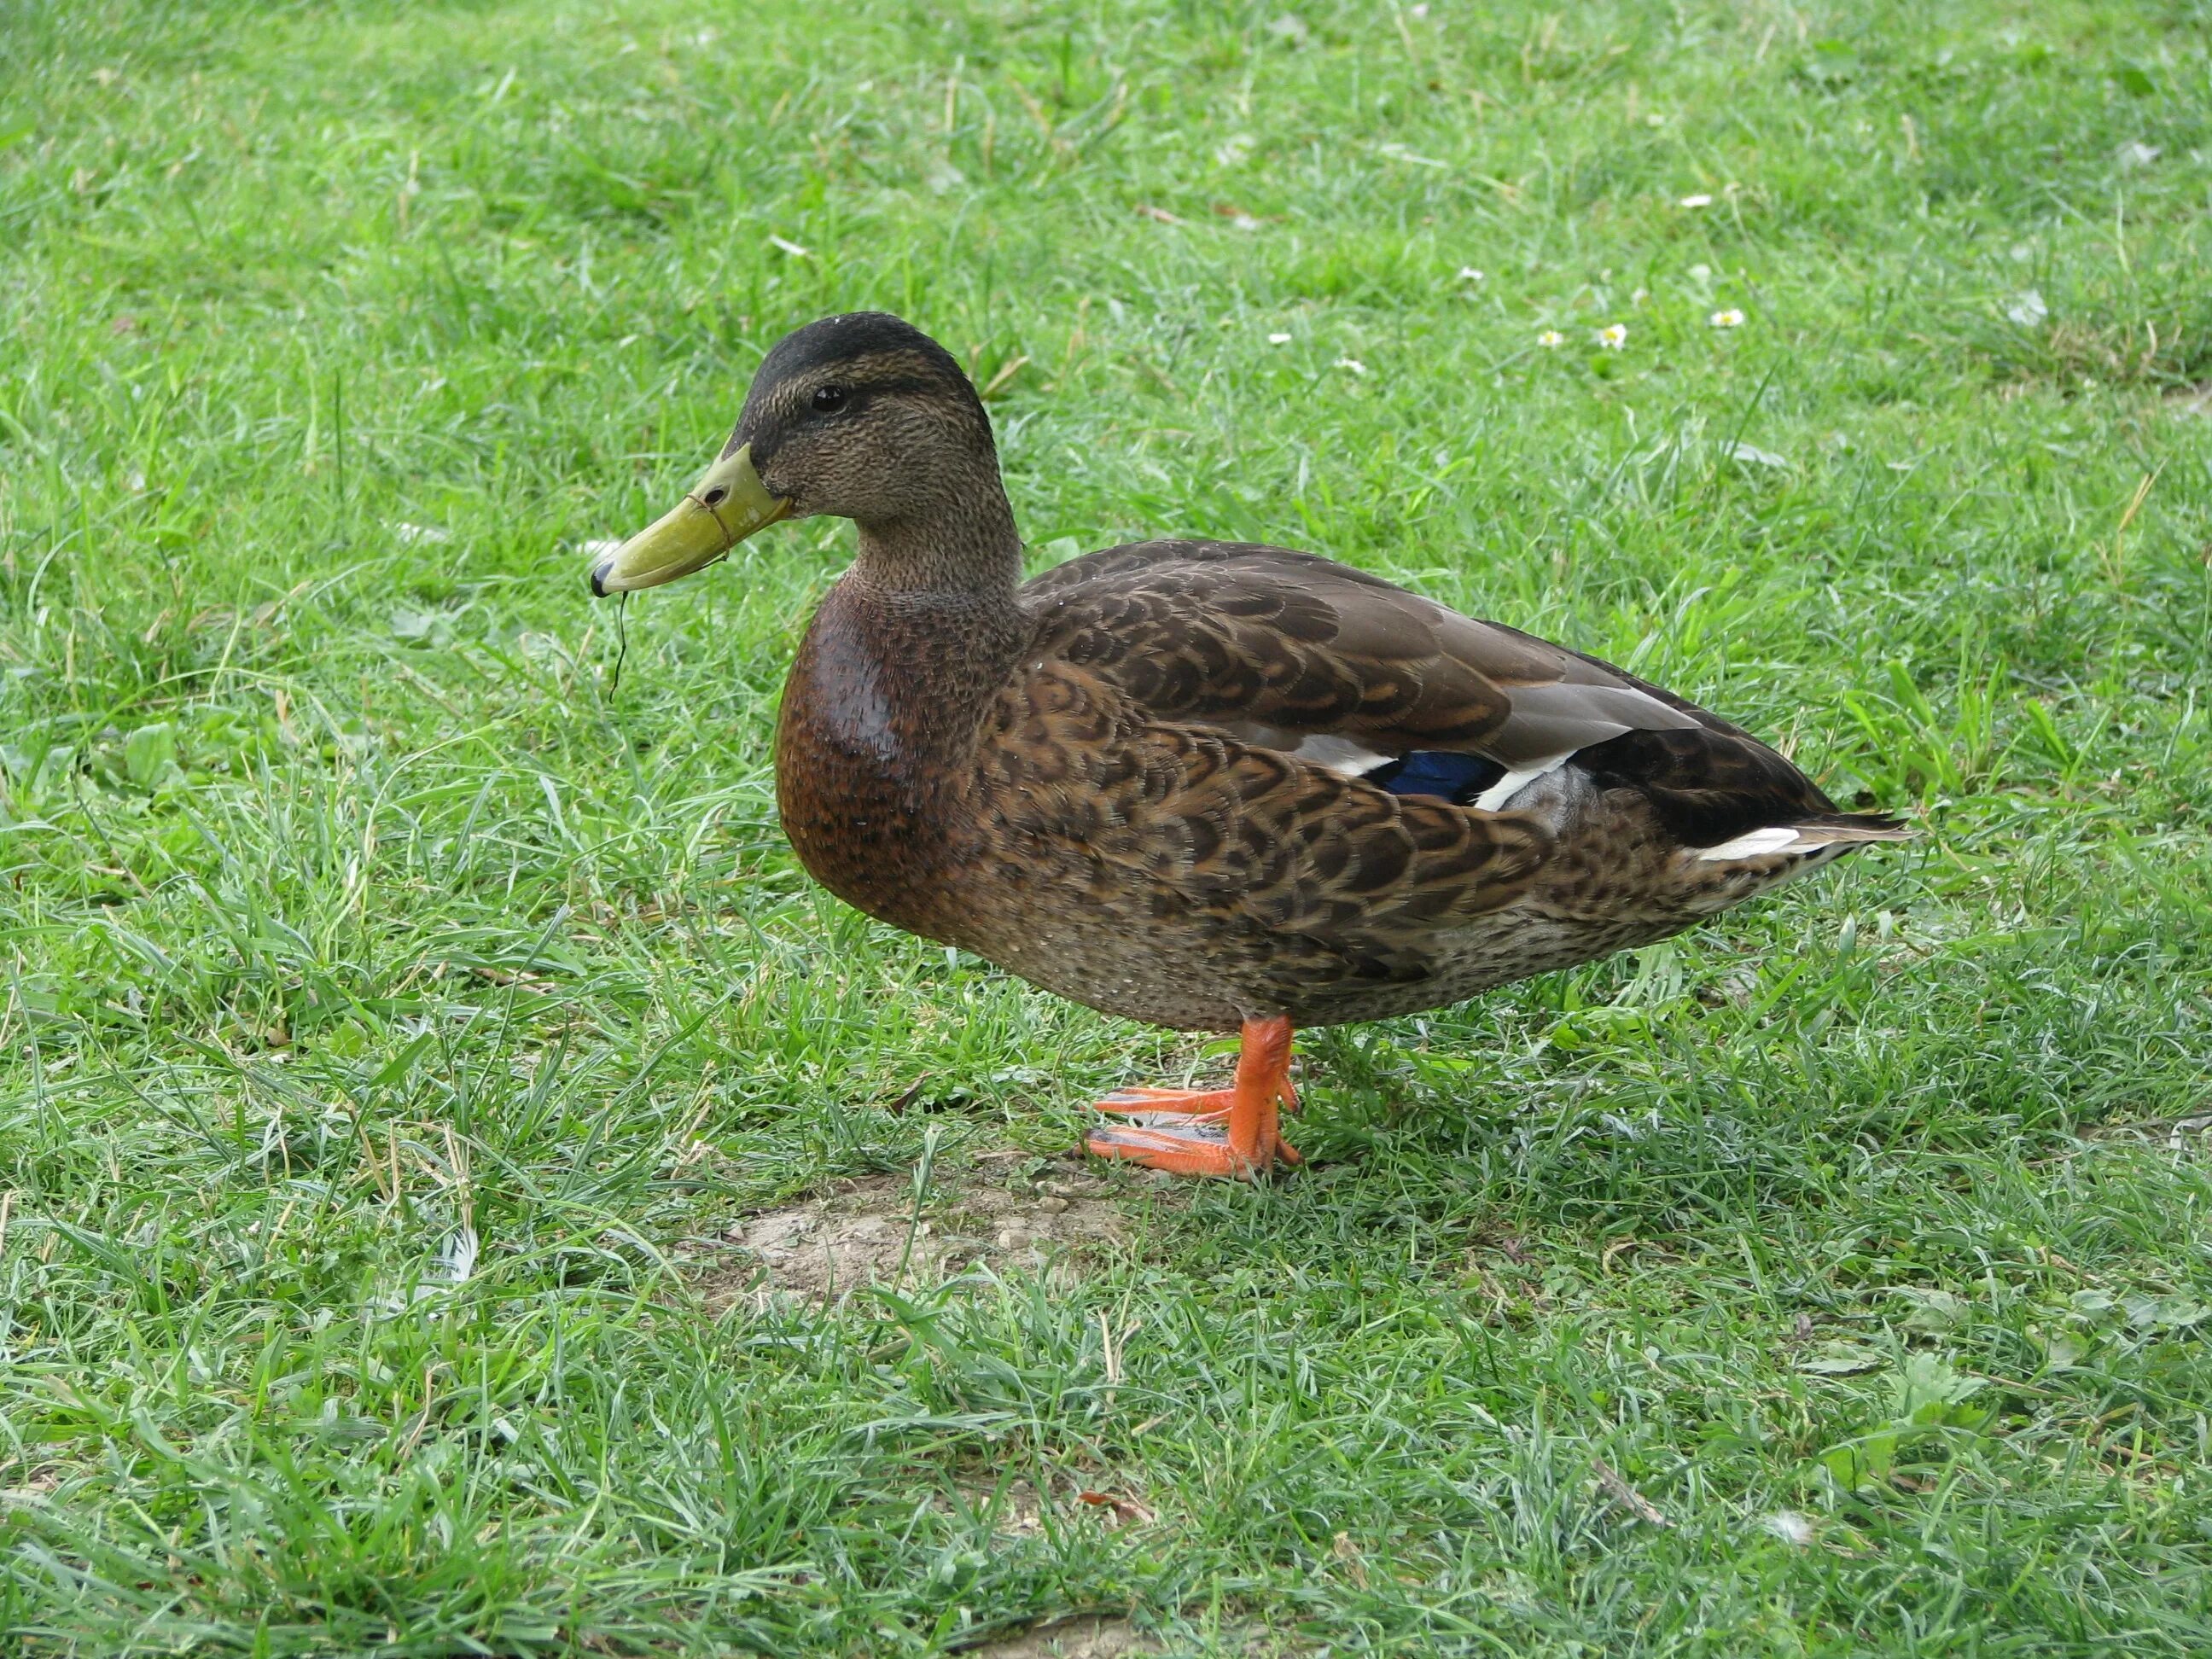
1229	1132
1135	1102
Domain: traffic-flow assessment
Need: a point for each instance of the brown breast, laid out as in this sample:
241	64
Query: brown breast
876	731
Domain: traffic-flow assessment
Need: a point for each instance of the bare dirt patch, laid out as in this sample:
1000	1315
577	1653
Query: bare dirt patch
1019	1507
1077	1638
867	1232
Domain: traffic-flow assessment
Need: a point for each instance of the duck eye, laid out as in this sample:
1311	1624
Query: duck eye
828	399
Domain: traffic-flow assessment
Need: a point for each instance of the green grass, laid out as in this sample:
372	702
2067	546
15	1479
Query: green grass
348	902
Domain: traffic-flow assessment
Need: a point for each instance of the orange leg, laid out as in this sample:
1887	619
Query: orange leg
1209	1132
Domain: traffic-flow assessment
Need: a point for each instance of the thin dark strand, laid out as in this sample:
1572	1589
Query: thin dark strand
622	641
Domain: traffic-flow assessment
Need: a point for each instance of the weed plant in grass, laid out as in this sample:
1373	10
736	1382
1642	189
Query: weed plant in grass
398	1014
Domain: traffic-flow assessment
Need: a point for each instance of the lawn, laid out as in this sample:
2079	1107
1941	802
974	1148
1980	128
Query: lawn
411	1010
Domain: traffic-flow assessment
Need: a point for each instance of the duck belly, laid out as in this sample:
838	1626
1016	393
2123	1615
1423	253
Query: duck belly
1212	980
1613	882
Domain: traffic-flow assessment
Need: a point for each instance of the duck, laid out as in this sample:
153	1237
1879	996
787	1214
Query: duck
1212	785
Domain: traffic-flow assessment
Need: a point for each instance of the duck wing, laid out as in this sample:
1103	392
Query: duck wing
1293	652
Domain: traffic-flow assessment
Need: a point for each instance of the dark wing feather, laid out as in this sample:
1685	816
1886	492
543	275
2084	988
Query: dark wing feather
1262	641
1265	641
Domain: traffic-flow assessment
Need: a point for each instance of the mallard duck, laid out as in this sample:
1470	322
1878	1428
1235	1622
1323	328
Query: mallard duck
1210	785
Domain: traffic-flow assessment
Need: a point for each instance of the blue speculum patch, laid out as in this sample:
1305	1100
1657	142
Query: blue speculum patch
1456	778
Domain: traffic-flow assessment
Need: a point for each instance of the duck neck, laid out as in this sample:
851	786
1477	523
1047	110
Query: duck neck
938	592
923	626
967	550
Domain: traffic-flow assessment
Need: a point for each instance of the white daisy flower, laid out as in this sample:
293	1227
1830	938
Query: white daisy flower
1731	318
1698	201
1613	335
1278	339
1551	338
1351	363
1469	274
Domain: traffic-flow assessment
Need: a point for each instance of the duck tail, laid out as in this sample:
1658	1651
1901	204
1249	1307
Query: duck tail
1830	829
1815	832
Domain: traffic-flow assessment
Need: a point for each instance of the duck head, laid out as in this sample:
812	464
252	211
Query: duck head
860	416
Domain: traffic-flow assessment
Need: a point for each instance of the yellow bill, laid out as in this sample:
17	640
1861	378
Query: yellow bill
727	504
